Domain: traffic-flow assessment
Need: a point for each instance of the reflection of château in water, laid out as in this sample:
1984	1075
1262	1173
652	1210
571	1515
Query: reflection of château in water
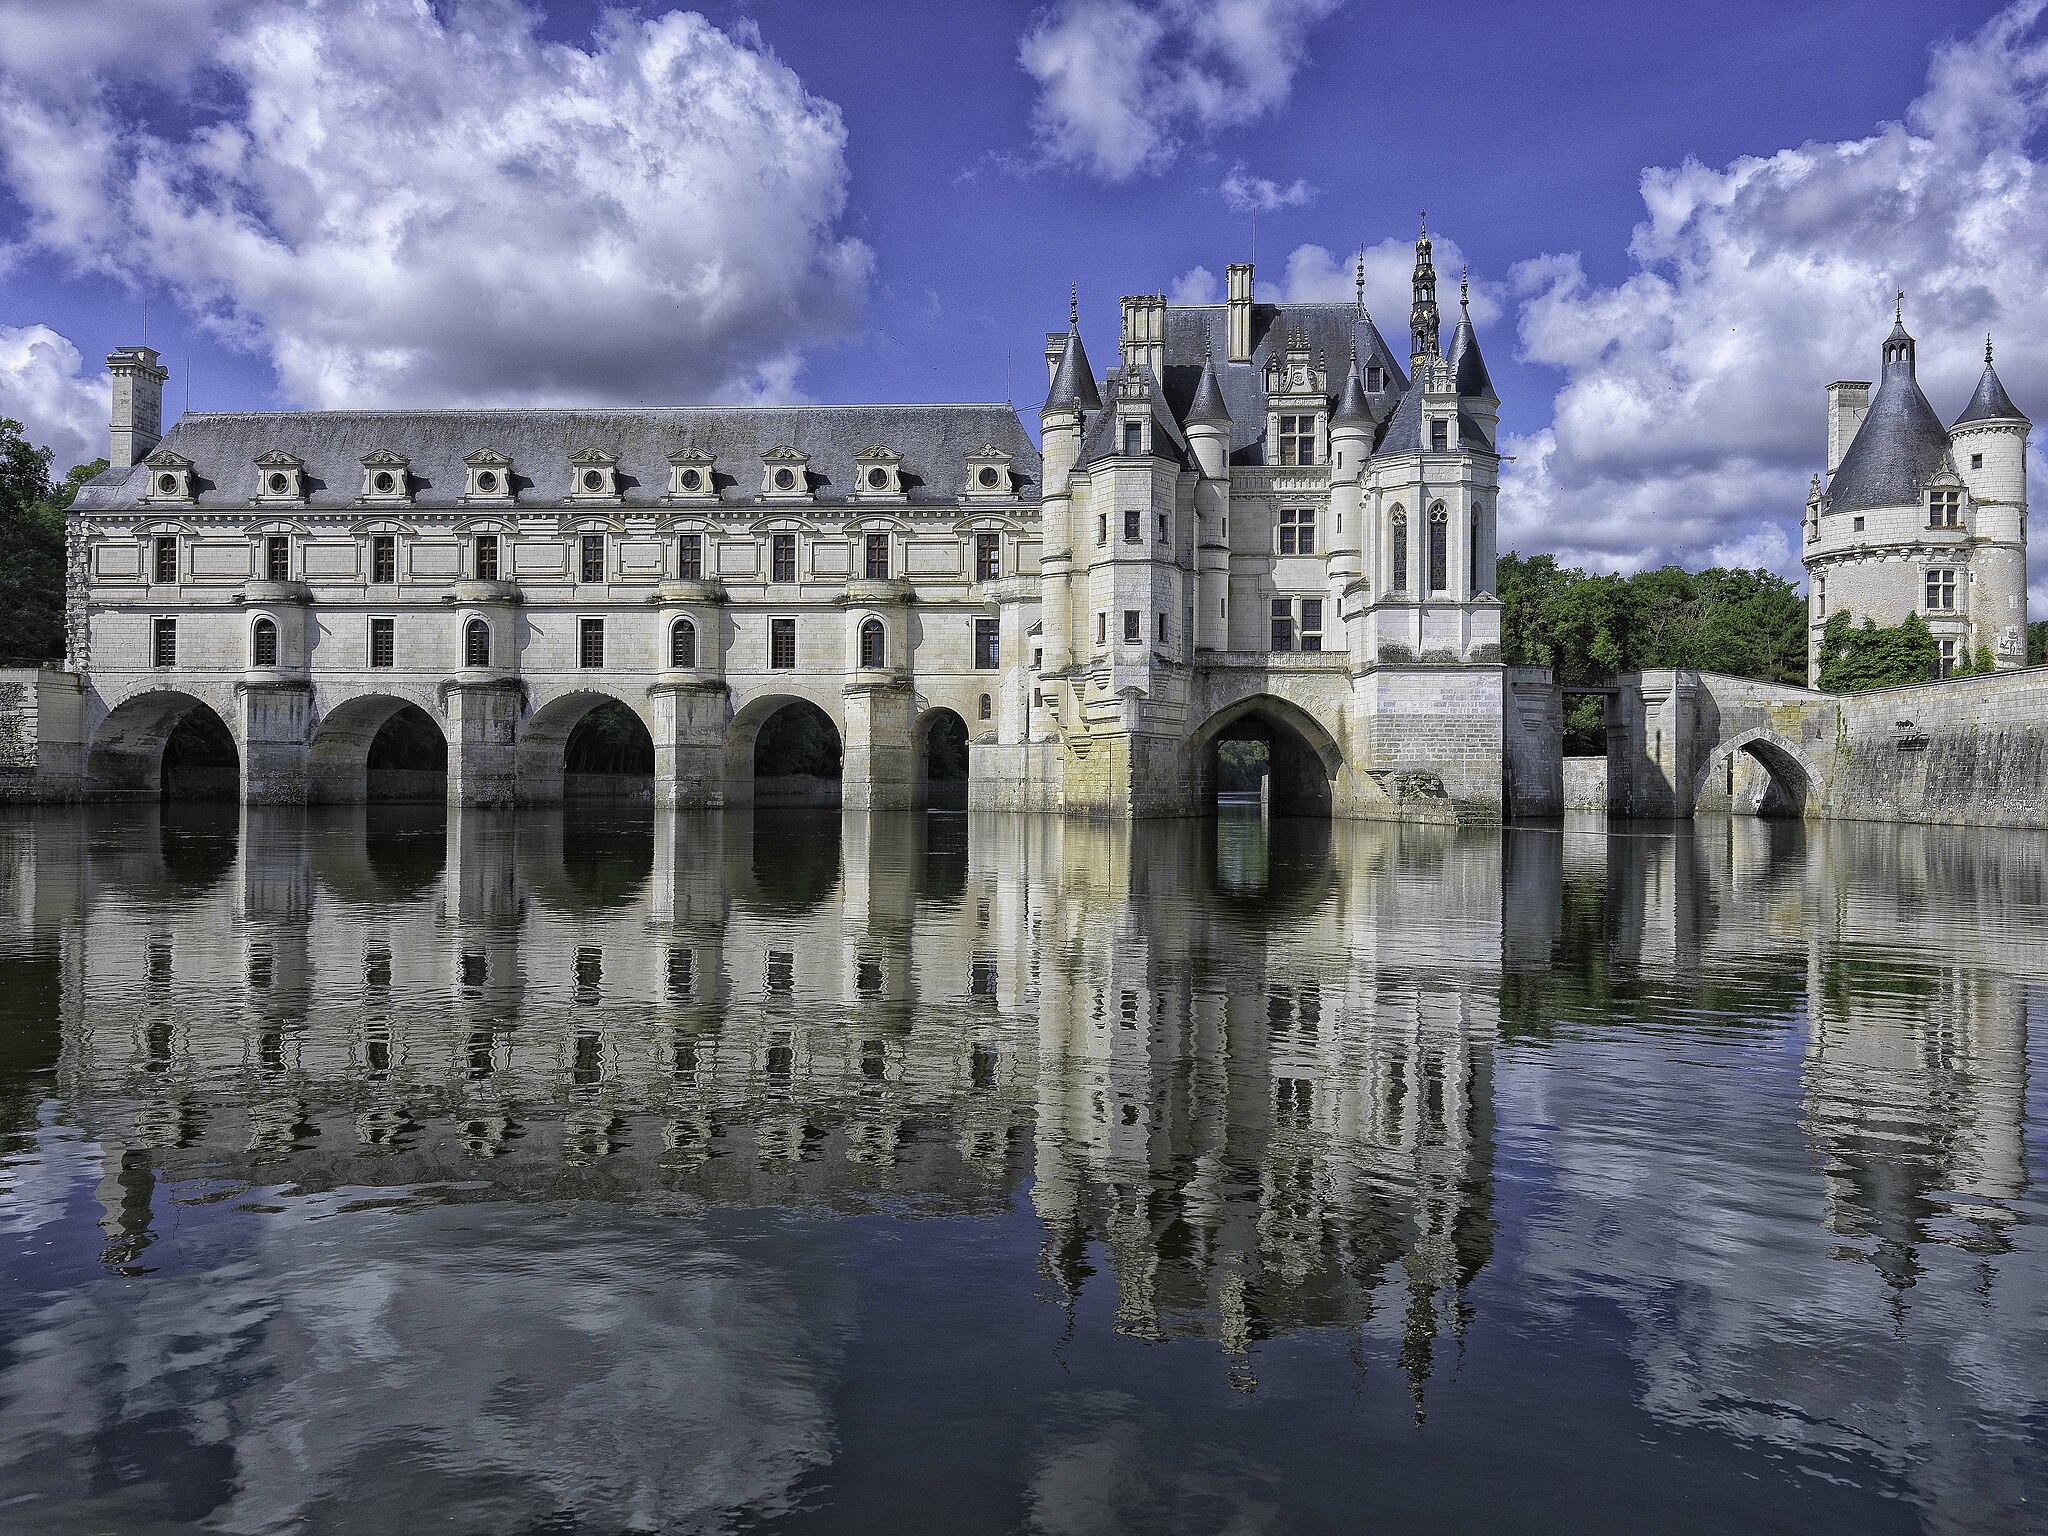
1153	1030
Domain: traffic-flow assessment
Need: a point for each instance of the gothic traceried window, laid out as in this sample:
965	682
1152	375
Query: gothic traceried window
1439	550
1400	543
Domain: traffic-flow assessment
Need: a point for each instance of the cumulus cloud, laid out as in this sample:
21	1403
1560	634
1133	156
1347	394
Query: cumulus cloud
1692	413
43	385
1197	285
1123	83
399	203
1243	192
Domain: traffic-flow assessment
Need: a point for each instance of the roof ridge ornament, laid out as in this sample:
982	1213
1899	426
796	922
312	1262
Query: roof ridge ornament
1074	307
1360	282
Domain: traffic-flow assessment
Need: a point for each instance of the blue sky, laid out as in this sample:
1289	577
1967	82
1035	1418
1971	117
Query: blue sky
386	202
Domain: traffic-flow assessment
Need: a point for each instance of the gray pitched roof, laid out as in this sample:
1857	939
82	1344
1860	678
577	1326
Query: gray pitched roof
1073	384
1404	432
1208	406
1899	447
1990	402
934	440
1099	440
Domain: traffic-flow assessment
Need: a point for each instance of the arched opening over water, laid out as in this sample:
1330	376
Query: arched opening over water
586	746
793	757
163	745
1265	752
377	748
1758	774
942	761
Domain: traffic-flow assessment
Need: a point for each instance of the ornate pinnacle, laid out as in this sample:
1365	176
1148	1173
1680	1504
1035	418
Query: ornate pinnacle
1899	309
1361	279
1464	287
1074	307
1987	349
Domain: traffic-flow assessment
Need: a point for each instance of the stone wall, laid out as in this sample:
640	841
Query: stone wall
1585	785
1968	751
42	728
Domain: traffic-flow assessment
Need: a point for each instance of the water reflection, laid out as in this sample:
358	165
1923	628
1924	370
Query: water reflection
1246	1079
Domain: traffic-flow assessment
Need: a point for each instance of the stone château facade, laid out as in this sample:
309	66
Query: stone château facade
1921	518
1259	523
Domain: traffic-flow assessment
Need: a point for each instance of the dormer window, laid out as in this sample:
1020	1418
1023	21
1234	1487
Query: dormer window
386	477
1944	509
785	474
593	475
1439	435
280	477
170	476
1297	439
490	476
1134	439
691	477
988	473
878	473
1375	378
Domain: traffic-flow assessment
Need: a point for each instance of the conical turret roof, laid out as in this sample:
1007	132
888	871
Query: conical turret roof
1901	444
1352	411
1207	408
1468	368
1073	381
1990	402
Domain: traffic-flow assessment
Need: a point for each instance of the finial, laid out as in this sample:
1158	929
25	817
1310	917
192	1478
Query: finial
1899	310
1424	216
1987	349
1464	287
1361	279
1074	307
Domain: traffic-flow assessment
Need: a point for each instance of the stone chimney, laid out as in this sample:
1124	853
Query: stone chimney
1848	404
138	423
1238	281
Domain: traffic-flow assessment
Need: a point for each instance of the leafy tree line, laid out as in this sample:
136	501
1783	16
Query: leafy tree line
32	548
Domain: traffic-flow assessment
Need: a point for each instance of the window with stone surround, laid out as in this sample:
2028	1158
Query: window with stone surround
383	642
782	557
782	644
1941	591
1297	530
875	557
987	645
263	643
487	557
1944	509
277	558
682	644
163	643
590	642
988	556
384	558
476	644
1298	439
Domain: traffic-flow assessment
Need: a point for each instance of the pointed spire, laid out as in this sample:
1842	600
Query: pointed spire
1351	407
1207	408
1361	281
1073	382
1990	402
1901	443
1425	326
1468	368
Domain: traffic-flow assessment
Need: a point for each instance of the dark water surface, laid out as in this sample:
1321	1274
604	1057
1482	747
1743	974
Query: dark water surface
600	1171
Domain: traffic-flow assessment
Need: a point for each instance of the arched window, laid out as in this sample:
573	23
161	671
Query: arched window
871	648
263	643
1400	550
682	644
1439	548
988	707
1472	558
476	644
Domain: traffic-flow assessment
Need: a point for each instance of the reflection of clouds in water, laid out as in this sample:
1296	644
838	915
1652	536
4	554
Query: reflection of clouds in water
365	1369
1103	1479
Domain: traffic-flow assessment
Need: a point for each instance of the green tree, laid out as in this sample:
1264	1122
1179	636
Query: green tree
2037	642
1853	657
32	548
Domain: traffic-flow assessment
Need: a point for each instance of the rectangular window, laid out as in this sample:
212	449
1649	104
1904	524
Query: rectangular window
487	557
782	557
1283	624
1856	525
1297	439
1132	631
1131	534
1941	590
591	567
590	642
1297	530
1375	379
1160	626
782	644
876	560
988	556
1440	436
383	642
1944	509
1976	461
1101	529
166	556
987	645
690	557
277	558
1162	527
1311	623
384	558
1134	439
1102	629
1945	663
163	643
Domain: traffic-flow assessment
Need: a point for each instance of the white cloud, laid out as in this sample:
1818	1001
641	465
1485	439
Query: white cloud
1245	193
406	204
1315	275
43	386
1692	413
1197	285
1123	82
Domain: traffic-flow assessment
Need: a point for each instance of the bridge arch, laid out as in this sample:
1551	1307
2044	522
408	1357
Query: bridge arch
1793	787
164	743
1303	759
542	763
791	766
940	754
377	746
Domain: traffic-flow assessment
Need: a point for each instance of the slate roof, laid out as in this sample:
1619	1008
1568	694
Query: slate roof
1990	402
1404	433
1468	368
934	441
1099	441
1073	382
1898	449
1351	404
1208	406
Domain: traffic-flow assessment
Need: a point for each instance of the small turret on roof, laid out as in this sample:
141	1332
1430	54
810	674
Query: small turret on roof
1468	368
1901	443
1207	407
1990	402
1073	382
1352	409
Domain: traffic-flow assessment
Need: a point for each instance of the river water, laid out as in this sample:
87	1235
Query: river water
606	1171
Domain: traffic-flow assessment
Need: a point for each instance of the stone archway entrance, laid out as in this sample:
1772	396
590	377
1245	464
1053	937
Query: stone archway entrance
163	745
1758	774
1266	754
942	761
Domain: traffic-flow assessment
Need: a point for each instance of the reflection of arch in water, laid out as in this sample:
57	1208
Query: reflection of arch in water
787	862
589	857
155	852
163	744
613	759
1303	760
783	749
377	747
1789	787
378	855
1265	872
939	751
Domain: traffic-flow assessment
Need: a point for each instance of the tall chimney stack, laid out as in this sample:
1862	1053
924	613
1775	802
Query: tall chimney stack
138	424
1848	404
1238	329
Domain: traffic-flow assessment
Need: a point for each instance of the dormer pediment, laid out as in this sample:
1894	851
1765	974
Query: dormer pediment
593	475
170	477
490	476
692	475
989	474
280	476
785	474
387	476
878	474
